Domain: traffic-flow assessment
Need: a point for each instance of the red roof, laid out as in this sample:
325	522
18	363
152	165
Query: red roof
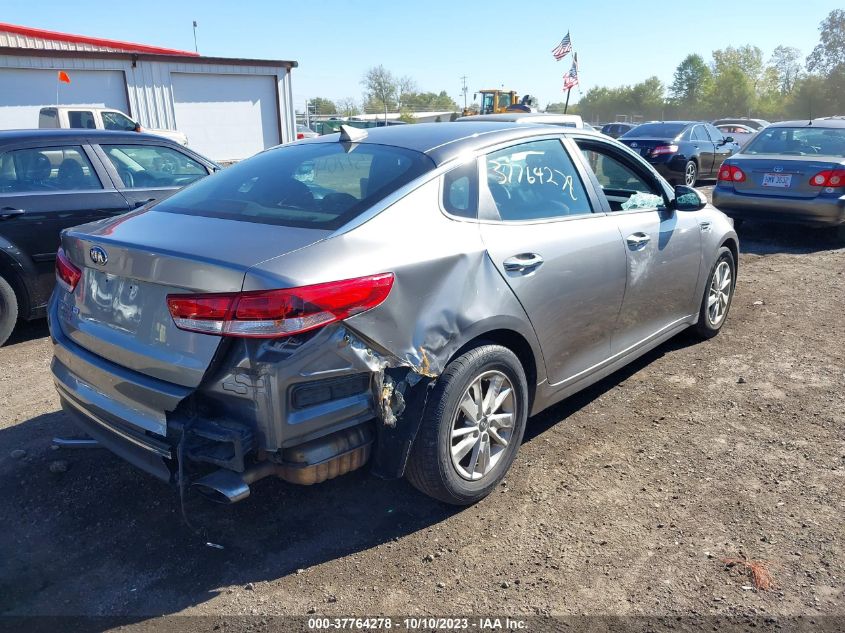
92	41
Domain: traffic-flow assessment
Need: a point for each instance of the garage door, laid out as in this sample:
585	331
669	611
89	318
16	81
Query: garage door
226	117
36	88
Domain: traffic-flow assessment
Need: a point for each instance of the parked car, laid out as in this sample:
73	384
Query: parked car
615	130
792	171
682	151
54	179
85	118
303	131
754	124
532	118
741	134
406	296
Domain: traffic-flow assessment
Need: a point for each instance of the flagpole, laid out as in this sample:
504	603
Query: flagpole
566	105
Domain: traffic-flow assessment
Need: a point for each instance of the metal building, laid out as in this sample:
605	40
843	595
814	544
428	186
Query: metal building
228	108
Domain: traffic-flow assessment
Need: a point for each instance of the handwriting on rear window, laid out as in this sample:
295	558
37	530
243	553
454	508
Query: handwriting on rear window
507	173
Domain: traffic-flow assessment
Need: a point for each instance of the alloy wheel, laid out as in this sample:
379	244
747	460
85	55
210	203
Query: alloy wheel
482	426
719	295
690	174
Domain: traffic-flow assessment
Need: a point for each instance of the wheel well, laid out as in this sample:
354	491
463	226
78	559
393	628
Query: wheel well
732	246
516	343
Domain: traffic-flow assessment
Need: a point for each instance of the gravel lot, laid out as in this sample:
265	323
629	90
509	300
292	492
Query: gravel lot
623	500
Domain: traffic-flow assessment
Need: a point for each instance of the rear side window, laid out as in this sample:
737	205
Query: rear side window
153	166
314	185
82	119
535	181
46	169
460	190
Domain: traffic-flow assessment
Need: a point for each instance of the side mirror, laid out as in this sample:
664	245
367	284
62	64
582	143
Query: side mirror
688	199
729	139
137	127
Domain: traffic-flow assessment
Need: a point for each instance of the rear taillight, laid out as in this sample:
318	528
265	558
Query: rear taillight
731	173
829	178
67	273
661	150
300	136
273	313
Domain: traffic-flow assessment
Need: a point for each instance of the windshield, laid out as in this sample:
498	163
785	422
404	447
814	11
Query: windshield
656	130
799	141
320	185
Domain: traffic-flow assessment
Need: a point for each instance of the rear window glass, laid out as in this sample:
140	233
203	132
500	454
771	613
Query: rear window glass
657	130
801	141
319	185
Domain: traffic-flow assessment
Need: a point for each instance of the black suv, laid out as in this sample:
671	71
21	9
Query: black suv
53	179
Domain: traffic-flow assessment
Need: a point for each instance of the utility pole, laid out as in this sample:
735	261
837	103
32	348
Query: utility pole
464	89
196	50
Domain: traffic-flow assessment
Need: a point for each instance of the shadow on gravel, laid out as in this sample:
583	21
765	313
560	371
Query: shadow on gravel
27	331
762	238
105	539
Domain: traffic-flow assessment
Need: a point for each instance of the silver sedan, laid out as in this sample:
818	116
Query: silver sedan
399	297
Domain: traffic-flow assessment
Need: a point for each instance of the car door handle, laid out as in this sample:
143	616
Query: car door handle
522	263
141	203
638	240
10	212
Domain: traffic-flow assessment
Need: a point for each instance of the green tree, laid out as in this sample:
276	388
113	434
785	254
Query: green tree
691	82
786	62
380	89
348	106
319	105
748	59
732	93
830	51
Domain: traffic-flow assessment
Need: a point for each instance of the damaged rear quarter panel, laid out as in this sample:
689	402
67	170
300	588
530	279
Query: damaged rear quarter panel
446	291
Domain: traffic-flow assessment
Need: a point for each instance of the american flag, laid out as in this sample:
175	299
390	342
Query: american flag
570	79
564	48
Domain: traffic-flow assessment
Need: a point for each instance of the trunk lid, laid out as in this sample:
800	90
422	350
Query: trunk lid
787	176
119	310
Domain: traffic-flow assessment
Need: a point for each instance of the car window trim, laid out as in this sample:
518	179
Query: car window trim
441	186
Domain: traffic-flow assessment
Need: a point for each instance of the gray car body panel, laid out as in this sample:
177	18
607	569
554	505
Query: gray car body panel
450	289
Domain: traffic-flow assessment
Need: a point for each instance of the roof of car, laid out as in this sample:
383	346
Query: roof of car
826	122
445	141
521	116
60	133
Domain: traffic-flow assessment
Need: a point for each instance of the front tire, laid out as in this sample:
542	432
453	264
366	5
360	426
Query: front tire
718	295
8	310
472	427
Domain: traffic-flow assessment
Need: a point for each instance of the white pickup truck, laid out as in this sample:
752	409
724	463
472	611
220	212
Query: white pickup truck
98	119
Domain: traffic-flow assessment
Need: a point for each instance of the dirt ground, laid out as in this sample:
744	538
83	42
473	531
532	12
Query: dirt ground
623	499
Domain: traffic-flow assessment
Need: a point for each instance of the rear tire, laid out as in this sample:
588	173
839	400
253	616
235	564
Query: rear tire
472	427
718	295
690	173
8	310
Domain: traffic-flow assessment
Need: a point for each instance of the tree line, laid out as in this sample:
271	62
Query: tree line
737	81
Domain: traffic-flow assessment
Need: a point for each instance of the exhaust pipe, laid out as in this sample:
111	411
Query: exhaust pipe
309	463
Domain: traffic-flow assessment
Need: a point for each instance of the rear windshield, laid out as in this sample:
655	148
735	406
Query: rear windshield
798	141
656	130
319	185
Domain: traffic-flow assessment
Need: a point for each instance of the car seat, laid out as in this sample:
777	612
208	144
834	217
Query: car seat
71	176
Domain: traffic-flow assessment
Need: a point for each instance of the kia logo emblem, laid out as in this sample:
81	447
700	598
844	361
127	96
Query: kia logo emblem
98	255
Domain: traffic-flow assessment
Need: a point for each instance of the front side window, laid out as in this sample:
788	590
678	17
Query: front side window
81	119
625	187
117	121
315	185
47	169
535	181
153	166
698	134
715	135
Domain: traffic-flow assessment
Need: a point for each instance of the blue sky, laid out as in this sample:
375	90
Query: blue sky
436	42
